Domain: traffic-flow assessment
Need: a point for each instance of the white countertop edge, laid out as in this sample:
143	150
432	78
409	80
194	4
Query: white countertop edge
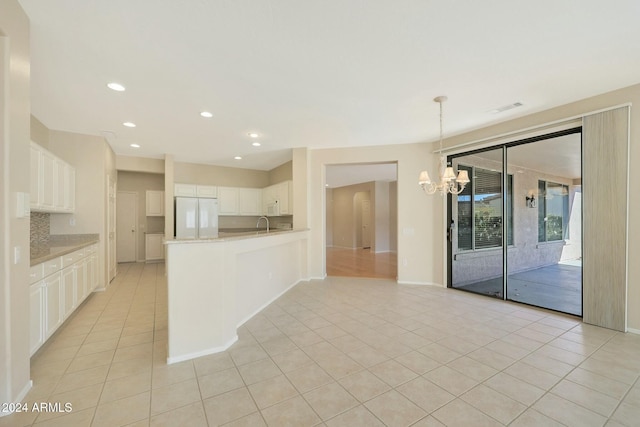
237	236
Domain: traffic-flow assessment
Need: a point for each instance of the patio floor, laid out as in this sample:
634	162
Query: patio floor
556	287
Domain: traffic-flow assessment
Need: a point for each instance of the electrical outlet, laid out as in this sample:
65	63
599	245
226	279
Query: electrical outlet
72	221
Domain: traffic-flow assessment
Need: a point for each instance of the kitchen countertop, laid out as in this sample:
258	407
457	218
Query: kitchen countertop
226	236
60	244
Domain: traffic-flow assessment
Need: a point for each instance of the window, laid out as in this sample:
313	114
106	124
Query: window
553	211
480	210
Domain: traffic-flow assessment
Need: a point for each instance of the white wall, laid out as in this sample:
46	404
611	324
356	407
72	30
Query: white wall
93	160
14	178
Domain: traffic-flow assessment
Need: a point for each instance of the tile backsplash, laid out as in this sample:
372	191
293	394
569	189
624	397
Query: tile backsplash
40	228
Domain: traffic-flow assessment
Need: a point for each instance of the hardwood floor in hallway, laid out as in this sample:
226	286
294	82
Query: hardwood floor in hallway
360	262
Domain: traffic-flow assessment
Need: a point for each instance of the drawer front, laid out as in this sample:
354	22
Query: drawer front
52	266
36	273
68	259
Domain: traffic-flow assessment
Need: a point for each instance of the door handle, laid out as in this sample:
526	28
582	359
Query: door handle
450	231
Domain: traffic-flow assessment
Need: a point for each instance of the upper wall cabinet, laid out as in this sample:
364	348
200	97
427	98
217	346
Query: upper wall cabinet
53	182
192	190
280	193
155	203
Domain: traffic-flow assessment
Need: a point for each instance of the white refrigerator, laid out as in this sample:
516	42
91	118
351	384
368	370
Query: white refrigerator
196	218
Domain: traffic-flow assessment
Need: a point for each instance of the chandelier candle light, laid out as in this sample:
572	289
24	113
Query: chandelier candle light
448	183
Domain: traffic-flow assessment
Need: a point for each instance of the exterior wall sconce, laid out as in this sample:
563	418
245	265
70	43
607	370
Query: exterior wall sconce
531	201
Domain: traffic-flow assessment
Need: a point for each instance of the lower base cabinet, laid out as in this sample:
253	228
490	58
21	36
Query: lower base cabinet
154	249
53	291
37	310
55	294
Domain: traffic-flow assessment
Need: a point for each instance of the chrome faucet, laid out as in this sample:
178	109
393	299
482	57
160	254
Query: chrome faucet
266	219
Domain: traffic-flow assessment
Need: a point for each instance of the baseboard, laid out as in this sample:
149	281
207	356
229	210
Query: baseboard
633	331
18	400
171	360
318	277
408	282
246	319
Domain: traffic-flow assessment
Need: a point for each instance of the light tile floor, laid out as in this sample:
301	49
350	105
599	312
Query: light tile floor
339	352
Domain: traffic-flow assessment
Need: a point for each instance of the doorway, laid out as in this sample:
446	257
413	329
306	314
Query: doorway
361	220
517	226
127	230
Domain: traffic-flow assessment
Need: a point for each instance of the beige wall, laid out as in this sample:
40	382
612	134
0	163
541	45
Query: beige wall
347	232
420	217
193	173
39	133
393	216
139	183
139	164
284	172
94	161
381	219
329	217
14	177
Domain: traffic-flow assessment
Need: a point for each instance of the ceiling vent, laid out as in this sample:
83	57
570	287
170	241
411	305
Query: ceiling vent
506	107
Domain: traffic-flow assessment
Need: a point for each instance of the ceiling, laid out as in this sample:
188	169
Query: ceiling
314	74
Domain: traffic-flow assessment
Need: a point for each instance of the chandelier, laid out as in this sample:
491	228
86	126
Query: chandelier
448	182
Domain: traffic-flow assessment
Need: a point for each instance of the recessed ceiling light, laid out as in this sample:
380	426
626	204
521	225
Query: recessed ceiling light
253	134
116	86
238	158
134	145
256	144
206	114
129	124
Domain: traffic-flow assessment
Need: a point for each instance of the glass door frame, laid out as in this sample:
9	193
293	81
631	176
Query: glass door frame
451	227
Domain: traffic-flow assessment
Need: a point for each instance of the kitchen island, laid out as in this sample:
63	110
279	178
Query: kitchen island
215	285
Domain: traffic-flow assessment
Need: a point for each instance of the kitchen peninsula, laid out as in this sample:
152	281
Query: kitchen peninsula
215	285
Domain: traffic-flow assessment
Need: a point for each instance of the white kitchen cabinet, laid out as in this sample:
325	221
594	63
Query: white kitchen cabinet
155	203
48	181
193	190
52	187
53	317
185	190
36	176
154	249
68	291
228	201
281	193
250	201
207	191
36	316
69	188
59	192
285	199
80	280
58	286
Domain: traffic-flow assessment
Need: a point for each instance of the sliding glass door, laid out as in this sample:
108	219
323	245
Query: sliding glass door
545	263
476	225
516	230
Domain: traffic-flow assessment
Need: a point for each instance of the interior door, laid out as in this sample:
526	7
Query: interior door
126	230
366	224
